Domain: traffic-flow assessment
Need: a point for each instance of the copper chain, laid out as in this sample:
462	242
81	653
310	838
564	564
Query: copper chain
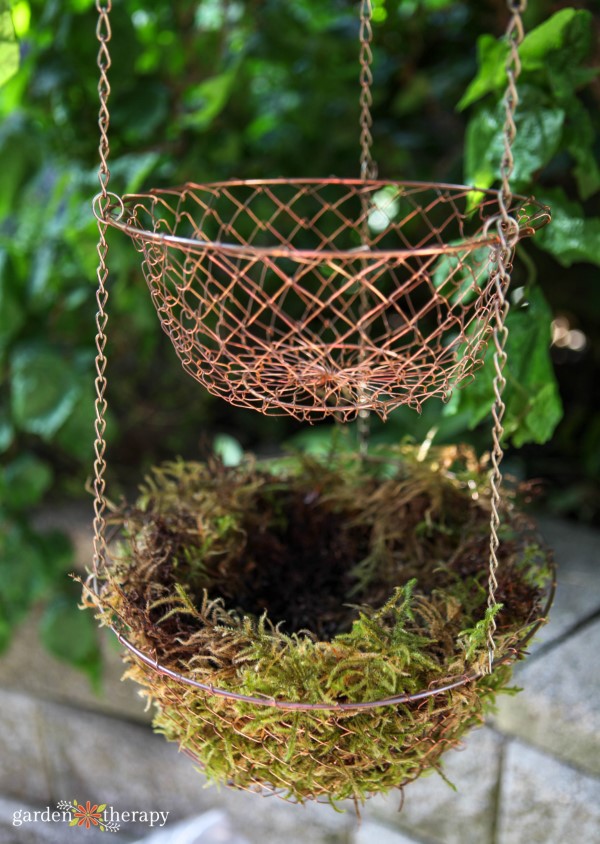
103	34
368	168
508	232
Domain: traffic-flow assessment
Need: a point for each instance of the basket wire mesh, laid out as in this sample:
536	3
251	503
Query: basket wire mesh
274	301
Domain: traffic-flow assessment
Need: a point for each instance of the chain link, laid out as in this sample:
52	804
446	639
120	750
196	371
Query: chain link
368	168
508	232
103	34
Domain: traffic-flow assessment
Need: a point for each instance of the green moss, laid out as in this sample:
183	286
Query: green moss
320	581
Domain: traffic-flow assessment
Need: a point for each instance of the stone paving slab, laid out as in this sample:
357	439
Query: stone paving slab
93	756
544	801
558	708
212	827
436	812
48	678
23	763
576	551
371	832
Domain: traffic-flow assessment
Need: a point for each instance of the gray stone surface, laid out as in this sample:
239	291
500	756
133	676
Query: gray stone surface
558	708
544	801
48	678
271	821
371	832
212	827
577	552
436	812
109	760
23	762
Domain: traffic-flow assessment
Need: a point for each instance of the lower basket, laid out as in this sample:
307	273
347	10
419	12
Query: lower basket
317	627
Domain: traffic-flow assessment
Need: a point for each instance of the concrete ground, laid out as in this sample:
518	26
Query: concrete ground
530	776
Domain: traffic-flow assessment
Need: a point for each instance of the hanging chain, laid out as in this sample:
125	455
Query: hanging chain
508	232
103	33
368	169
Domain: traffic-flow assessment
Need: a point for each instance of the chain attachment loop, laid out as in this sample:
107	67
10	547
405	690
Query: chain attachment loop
508	235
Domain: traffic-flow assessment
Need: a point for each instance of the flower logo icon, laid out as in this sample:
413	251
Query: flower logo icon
88	815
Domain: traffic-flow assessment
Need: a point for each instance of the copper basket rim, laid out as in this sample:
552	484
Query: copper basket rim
114	214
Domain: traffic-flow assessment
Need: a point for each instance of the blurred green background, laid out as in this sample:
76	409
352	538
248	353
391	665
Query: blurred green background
206	90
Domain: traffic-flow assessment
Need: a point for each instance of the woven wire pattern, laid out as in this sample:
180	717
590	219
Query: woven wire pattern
273	300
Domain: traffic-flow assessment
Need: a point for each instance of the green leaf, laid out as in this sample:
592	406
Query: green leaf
533	405
571	237
58	552
70	634
539	132
458	276
44	391
228	449
491	58
208	99
9	47
22	573
563	41
76	436
7	432
579	138
556	48
12	316
24	481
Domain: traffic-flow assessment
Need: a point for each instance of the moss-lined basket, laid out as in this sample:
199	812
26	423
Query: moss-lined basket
328	581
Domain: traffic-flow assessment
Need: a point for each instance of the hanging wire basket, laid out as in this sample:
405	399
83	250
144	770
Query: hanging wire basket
331	297
317	628
323	297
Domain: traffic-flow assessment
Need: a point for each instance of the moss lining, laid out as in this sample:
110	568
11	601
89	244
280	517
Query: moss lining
320	581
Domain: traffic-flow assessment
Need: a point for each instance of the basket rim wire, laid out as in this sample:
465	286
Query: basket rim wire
346	706
115	214
508	233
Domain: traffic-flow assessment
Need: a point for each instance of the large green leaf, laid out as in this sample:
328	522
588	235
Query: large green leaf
491	76
572	236
44	390
579	138
9	46
22	573
12	314
562	42
24	481
539	132
71	635
555	48
533	405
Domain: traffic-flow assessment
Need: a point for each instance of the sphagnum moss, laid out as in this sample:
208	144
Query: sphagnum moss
321	581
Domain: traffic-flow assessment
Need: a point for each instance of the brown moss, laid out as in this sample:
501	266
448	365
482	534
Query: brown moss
320	581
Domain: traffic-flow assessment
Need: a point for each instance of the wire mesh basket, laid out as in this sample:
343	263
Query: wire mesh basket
323	297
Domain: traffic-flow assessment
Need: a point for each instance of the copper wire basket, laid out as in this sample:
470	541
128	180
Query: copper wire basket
323	297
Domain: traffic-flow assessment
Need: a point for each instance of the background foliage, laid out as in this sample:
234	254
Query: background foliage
249	88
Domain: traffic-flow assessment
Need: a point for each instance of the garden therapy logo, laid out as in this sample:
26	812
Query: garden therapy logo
89	815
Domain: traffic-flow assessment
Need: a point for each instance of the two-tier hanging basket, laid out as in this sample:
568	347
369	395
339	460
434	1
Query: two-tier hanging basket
322	629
